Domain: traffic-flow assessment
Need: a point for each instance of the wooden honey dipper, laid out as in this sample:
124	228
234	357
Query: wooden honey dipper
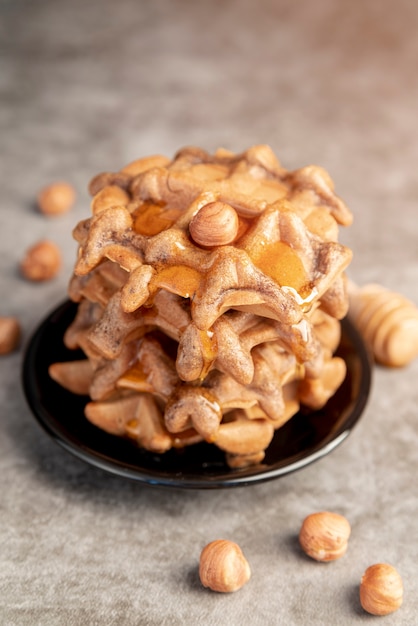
387	321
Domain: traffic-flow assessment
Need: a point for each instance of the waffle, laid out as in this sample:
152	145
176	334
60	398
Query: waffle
209	291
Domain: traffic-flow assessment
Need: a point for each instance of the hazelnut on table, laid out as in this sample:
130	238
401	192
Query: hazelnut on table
223	567
10	333
381	589
41	262
56	198
324	536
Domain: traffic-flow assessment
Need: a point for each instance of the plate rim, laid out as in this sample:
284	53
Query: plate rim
237	478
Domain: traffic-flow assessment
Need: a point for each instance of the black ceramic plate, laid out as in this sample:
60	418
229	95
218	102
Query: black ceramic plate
308	436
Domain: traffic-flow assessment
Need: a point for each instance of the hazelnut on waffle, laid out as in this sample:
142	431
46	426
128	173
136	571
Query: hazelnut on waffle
210	289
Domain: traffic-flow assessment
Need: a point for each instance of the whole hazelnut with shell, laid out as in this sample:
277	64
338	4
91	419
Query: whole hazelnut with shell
223	567
215	224
10	333
381	589
56	198
324	536
41	262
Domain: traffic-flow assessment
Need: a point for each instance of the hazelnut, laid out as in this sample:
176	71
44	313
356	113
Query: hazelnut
56	198
41	262
215	224
381	589
324	536
223	567
9	334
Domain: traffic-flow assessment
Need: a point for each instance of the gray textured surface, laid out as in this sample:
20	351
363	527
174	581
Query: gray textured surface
87	86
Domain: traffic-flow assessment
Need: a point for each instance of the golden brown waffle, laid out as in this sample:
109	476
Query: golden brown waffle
210	289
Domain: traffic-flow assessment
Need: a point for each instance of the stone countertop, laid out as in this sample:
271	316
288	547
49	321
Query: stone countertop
90	86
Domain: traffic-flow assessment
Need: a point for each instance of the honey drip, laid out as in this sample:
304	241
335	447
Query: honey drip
279	261
209	349
151	219
179	279
135	378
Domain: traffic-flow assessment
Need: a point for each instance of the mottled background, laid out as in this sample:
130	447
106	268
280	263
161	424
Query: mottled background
89	86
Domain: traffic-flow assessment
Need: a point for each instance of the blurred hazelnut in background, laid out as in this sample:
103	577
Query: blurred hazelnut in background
56	198
41	262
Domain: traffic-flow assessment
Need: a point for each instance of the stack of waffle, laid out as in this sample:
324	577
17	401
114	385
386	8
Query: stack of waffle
209	291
